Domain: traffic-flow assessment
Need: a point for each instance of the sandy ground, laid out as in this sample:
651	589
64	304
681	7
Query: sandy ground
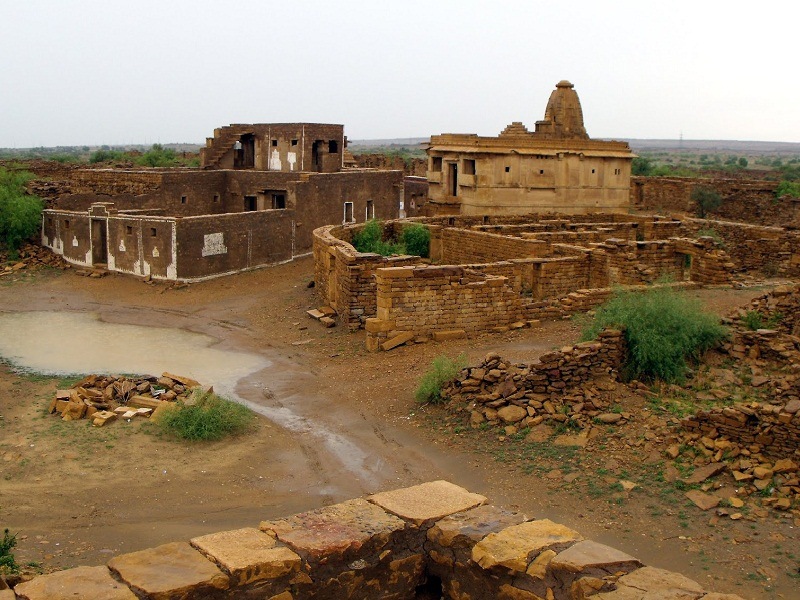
343	424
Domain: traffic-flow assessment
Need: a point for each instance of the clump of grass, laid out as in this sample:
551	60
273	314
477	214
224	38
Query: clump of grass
663	328
206	417
753	320
712	233
8	563
417	240
370	239
442	370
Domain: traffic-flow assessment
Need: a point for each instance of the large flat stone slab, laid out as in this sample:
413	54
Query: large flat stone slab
464	529
249	555
515	547
427	501
170	571
334	530
80	583
658	584
589	556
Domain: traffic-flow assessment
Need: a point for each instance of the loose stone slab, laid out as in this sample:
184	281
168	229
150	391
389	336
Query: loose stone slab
464	529
516	546
427	501
650	582
169	571
702	500
703	473
81	583
588	555
333	530
248	554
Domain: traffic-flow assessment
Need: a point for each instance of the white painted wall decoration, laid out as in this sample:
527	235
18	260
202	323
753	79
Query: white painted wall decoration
122	245
155	253
75	241
275	161
214	243
292	158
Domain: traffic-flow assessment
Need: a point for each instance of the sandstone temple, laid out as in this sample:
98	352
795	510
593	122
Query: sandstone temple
555	168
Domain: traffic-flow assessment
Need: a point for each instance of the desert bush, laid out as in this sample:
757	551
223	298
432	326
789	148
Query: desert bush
441	371
753	320
417	240
8	563
20	212
663	329
705	200
158	156
370	239
102	155
788	188
207	417
712	233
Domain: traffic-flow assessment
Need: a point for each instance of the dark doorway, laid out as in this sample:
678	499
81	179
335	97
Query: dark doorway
452	172
244	156
251	203
316	159
99	242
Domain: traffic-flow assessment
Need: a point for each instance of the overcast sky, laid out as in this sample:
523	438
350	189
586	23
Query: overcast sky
120	72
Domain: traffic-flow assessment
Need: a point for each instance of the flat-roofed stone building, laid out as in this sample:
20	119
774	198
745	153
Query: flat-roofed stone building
556	168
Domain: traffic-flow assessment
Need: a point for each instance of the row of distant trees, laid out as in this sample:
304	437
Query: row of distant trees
156	156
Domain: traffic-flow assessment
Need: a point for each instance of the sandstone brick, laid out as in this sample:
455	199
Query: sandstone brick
80	583
427	501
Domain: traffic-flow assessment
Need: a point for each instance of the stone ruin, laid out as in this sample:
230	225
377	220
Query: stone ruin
434	540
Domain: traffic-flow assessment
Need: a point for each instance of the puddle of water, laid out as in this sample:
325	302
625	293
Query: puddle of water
60	343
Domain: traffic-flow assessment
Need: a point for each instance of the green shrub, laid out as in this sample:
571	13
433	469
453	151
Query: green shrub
158	156
8	563
663	330
753	320
705	200
417	240
788	188
442	371
102	155
370	239
209	417
20	212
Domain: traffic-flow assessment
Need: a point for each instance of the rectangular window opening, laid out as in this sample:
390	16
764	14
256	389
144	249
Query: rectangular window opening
592	171
541	171
333	147
216	197
129	229
278	201
469	166
274	142
348	212
66	223
153	232
183	199
370	210
250	203
508	169
294	142
436	163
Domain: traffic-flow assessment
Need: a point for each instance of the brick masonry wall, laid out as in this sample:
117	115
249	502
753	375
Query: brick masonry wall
384	546
460	246
426	299
412	166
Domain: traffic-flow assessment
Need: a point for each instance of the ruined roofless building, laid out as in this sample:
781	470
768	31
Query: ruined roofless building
556	168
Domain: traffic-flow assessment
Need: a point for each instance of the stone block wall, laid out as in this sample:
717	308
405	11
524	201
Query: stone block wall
424	299
386	546
754	248
771	430
462	246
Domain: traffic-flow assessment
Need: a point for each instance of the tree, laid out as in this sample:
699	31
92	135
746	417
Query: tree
158	156
20	212
641	166
705	200
743	162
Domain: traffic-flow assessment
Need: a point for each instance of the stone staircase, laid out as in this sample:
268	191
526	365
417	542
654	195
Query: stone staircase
223	140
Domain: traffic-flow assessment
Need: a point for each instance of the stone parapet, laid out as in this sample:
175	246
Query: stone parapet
386	546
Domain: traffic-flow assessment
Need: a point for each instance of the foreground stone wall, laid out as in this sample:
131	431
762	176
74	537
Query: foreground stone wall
386	546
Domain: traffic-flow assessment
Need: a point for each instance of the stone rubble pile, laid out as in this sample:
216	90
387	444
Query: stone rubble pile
104	398
571	385
31	258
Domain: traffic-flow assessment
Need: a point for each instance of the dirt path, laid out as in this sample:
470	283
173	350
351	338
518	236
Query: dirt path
342	423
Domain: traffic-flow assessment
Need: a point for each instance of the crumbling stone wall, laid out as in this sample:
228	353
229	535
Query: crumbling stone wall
748	201
410	166
754	248
383	547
